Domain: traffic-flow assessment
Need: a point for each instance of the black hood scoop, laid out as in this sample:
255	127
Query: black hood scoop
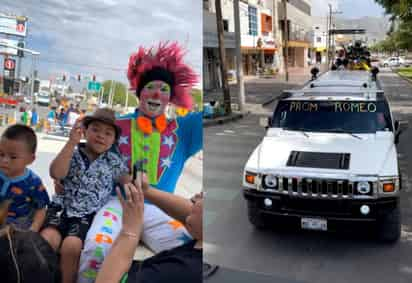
322	160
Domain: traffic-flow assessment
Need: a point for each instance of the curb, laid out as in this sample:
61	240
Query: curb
224	120
404	78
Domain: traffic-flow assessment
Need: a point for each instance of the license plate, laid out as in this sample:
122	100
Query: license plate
314	224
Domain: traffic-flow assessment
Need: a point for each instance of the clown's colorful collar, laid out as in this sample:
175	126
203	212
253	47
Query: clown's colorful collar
146	124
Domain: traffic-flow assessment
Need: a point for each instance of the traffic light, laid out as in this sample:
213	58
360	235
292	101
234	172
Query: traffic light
64	77
20	53
94	78
79	78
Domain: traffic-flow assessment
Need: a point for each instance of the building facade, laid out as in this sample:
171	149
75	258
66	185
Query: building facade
212	77
259	46
320	40
299	23
262	37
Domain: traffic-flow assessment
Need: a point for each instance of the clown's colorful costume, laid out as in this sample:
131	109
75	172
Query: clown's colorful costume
156	145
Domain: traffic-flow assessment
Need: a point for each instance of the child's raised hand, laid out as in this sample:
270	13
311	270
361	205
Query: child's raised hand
76	133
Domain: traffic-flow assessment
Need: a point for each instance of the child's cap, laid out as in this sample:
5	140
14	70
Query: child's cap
106	116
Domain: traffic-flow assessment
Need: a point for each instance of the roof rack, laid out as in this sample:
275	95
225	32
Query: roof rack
343	92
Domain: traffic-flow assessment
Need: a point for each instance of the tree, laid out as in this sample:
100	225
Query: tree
222	56
120	91
400	35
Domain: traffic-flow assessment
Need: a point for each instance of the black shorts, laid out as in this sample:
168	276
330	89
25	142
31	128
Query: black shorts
68	226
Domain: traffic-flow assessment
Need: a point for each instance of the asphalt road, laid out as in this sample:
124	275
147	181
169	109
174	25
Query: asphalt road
297	256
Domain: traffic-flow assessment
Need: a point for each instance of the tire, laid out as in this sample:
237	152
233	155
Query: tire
389	226
385	65
255	217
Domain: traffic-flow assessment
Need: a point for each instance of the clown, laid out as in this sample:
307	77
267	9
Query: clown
152	143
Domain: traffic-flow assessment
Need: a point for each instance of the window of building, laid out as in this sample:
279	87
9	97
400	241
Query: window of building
225	25
266	22
253	29
319	39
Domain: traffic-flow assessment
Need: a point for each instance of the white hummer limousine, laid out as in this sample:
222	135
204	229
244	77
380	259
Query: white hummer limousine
328	159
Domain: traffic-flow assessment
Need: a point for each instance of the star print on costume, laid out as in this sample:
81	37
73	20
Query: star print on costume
166	162
168	140
123	140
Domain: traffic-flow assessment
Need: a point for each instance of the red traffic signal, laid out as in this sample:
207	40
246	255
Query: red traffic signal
79	78
94	78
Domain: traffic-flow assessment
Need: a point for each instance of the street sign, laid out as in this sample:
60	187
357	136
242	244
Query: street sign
8	50
13	25
9	64
94	86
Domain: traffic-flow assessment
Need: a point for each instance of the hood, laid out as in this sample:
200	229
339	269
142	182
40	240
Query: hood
372	154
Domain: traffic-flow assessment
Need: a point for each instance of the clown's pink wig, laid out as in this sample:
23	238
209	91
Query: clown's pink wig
168	56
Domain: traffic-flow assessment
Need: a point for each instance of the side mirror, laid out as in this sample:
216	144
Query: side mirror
400	127
265	122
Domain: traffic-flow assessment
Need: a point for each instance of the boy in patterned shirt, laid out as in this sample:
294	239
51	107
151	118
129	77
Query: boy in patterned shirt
20	187
88	173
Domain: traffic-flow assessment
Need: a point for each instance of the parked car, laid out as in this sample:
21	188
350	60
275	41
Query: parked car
393	62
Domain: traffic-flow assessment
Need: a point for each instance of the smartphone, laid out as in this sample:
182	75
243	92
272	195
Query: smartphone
137	170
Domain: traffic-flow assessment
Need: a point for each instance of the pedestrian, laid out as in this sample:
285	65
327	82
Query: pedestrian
51	118
153	143
34	118
181	264
61	116
24	116
88	173
20	185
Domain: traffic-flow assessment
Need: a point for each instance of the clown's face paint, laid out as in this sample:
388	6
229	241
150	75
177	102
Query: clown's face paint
154	98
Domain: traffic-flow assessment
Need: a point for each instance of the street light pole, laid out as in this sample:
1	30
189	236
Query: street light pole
286	39
32	81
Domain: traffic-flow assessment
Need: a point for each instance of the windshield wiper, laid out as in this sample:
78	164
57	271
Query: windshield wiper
301	130
343	131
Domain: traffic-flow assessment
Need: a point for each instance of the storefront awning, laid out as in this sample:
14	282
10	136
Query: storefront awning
320	49
294	43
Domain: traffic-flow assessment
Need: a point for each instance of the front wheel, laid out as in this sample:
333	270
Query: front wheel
389	225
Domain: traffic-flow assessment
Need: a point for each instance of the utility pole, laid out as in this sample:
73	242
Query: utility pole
222	56
127	100
286	39
329	34
239	67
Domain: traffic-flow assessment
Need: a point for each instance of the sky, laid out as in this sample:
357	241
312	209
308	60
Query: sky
98	36
351	9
